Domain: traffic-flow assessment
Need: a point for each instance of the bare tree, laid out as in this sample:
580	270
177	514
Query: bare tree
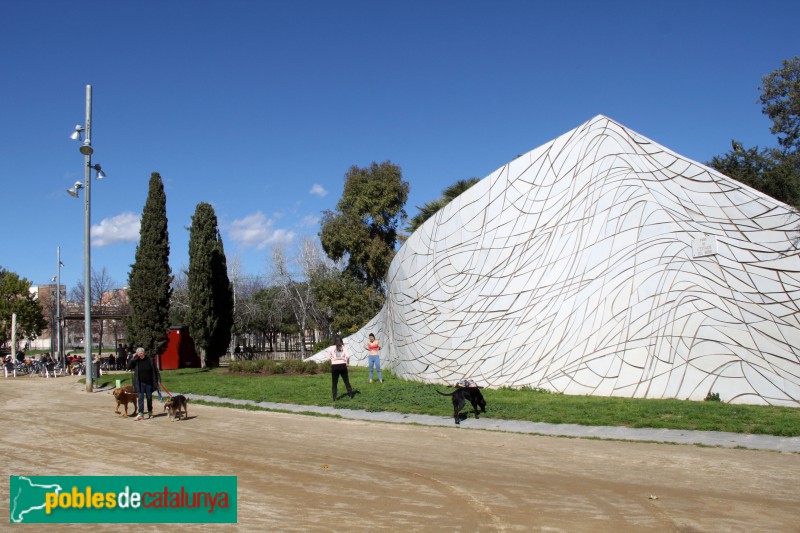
116	302
179	301
292	275
242	295
248	318
105	297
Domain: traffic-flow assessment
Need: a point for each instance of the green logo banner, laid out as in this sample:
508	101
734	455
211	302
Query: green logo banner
122	499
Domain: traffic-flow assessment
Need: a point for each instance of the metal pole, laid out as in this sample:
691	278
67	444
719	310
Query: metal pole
14	336
87	261
53	329
58	308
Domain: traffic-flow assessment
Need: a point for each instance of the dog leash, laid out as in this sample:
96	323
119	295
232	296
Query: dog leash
165	389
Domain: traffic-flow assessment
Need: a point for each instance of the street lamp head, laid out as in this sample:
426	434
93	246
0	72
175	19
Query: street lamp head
76	135
100	173
86	148
75	188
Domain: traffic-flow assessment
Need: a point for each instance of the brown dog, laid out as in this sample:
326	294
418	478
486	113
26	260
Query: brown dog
124	396
177	404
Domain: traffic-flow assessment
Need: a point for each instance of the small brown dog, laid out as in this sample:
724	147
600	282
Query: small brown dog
124	396
177	404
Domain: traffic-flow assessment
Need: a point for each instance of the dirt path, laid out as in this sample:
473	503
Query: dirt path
306	473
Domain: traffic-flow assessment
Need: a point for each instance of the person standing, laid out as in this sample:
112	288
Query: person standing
9	367
145	379
339	358
47	365
121	357
374	358
126	353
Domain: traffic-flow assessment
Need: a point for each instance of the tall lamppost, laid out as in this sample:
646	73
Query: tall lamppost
87	151
59	342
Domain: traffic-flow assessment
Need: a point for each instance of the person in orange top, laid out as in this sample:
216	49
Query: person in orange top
374	359
339	358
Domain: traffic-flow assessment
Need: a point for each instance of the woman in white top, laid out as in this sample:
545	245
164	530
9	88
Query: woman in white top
339	358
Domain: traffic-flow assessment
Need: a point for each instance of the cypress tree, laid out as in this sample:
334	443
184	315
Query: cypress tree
210	313
223	301
150	277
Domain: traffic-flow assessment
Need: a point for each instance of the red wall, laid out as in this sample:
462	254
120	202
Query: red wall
180	351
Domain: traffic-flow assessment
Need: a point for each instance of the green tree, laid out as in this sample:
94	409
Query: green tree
780	99
210	313
363	229
15	297
773	171
346	304
223	303
432	207
150	277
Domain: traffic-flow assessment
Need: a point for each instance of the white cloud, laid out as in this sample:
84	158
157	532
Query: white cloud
318	190
121	228
256	230
309	221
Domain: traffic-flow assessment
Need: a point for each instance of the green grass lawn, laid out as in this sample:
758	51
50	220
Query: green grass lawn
404	396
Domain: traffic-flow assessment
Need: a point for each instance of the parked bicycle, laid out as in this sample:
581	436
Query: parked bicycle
59	370
21	367
78	368
35	367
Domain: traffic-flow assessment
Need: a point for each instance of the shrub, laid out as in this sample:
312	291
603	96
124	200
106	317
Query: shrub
321	345
269	367
539	390
712	397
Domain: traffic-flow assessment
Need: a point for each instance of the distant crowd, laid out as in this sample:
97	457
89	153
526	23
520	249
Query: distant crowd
48	364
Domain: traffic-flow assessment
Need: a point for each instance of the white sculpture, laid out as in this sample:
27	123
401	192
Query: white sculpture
601	263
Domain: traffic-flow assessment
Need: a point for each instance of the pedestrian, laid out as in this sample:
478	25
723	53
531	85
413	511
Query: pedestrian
145	379
374	358
50	365
339	358
121	357
46	362
9	367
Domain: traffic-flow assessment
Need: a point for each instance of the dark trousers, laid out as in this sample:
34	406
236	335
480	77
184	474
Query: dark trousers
336	371
145	389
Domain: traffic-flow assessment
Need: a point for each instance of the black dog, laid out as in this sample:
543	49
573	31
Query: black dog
460	397
177	404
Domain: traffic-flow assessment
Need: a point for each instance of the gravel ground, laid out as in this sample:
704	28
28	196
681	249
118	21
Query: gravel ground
309	473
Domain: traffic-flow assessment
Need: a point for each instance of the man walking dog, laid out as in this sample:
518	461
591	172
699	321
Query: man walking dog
145	379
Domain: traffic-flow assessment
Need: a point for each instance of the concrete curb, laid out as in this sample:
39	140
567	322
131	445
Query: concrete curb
705	438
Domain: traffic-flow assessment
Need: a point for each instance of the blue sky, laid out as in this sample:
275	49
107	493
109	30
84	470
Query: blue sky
260	107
